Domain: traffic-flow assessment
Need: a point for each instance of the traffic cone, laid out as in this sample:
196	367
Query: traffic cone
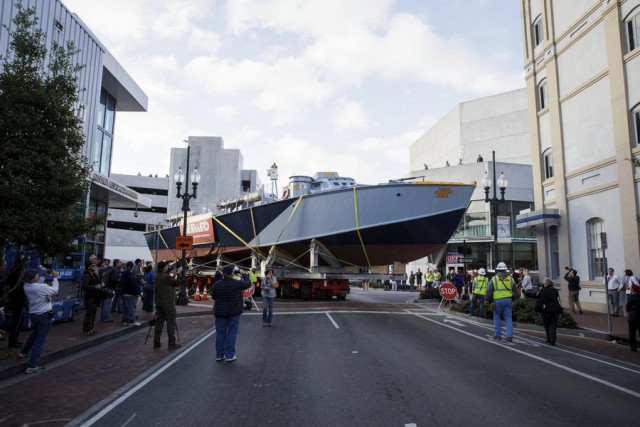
205	295
198	296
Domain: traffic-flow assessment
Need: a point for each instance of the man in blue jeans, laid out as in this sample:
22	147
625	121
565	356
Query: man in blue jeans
229	305
41	316
501	289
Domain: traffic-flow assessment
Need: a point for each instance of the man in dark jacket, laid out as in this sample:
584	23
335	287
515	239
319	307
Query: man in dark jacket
228	307
165	298
633	316
130	295
92	291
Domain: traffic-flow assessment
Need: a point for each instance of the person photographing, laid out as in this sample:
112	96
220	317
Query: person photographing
41	316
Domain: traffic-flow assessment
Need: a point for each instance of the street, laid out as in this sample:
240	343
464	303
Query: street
377	359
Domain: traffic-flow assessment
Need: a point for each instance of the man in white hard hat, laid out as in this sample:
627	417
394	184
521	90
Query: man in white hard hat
480	283
500	290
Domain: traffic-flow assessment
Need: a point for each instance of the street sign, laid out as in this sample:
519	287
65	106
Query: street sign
465	260
448	291
184	243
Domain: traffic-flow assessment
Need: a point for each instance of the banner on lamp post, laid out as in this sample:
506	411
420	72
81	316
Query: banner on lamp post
503	229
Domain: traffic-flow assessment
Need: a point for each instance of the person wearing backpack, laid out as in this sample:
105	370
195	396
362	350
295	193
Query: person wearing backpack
500	291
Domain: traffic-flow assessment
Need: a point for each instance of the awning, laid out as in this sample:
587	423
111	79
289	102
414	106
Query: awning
541	216
116	195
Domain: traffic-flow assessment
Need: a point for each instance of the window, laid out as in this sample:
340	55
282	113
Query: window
543	97
537	33
597	262
633	31
104	134
636	122
548	163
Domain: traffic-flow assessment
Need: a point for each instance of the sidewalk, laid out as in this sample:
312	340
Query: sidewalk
65	338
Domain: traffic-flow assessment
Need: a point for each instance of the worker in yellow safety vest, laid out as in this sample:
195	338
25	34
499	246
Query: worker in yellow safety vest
500	290
428	279
480	283
436	278
253	278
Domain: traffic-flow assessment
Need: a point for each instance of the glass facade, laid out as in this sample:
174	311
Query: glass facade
475	231
94	243
104	133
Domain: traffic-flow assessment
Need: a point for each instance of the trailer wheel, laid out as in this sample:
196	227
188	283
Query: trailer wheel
305	292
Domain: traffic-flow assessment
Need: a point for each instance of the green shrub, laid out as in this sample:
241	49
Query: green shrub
523	312
430	293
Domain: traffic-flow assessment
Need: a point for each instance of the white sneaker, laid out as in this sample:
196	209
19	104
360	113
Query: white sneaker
232	359
34	370
23	355
135	324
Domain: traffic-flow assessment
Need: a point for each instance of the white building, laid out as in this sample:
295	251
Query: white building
494	123
127	224
498	122
221	175
582	62
104	89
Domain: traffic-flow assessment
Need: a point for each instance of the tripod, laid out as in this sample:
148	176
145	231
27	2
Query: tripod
152	324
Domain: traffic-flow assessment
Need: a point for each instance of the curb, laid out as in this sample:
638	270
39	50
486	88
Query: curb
18	366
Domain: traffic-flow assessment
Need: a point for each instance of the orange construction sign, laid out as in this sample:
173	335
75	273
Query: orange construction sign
184	243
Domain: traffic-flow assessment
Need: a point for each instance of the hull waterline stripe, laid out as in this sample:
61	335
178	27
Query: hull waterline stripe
355	208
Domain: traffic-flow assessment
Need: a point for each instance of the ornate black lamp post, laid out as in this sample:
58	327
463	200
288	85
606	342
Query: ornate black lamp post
494	201
195	179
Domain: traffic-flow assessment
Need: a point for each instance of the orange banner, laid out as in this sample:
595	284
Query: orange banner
200	227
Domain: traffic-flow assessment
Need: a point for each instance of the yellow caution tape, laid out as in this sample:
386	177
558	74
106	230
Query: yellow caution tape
355	208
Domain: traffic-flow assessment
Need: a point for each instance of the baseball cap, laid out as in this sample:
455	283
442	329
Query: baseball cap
228	270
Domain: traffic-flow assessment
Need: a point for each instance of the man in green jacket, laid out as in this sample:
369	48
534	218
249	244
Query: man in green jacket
165	298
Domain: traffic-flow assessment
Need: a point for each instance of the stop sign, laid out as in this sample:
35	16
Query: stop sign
448	291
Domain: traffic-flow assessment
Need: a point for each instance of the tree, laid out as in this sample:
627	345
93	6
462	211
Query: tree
43	176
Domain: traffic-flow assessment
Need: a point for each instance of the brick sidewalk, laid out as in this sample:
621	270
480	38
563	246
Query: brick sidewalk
65	338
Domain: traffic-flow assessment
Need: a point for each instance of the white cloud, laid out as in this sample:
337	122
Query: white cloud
350	116
313	18
310	84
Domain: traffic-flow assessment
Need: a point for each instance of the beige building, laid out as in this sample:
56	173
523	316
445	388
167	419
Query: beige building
582	64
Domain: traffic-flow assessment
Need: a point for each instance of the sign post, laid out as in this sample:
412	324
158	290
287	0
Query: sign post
184	243
448	292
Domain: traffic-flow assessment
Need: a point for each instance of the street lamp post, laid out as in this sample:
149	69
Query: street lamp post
494	201
195	179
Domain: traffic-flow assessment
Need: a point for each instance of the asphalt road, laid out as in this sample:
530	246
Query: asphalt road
377	359
393	367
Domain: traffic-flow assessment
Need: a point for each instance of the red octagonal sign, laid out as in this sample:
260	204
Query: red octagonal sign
448	291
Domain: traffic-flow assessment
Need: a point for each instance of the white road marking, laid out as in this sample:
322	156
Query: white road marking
455	322
548	362
332	321
146	381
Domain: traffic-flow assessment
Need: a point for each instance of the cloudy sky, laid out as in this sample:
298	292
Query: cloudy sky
313	85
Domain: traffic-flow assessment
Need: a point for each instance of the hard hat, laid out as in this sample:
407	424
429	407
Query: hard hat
501	266
482	271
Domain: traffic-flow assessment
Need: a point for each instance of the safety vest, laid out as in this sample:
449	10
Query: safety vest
429	277
253	277
480	285
504	290
436	276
